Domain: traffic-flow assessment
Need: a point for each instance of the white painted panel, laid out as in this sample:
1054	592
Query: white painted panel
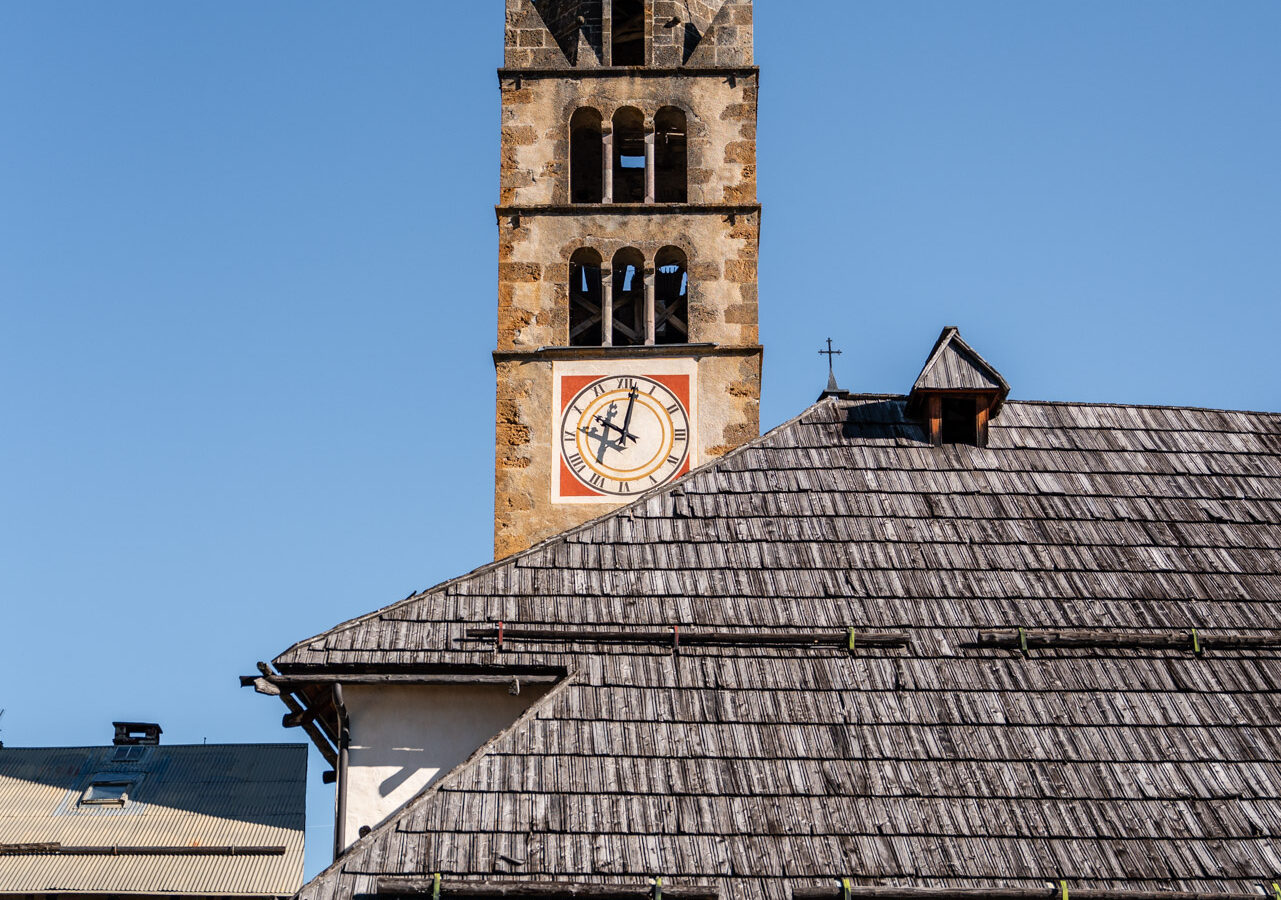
405	737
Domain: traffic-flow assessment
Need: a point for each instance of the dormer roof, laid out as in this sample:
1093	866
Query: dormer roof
954	367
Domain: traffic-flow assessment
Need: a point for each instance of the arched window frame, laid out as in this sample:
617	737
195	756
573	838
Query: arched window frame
644	160
646	307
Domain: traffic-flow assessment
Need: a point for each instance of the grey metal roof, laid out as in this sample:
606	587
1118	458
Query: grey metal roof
242	807
947	763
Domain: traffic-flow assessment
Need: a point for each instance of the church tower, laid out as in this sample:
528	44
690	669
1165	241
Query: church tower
628	346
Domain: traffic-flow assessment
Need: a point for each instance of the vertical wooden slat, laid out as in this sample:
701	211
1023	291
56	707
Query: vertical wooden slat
981	417
936	420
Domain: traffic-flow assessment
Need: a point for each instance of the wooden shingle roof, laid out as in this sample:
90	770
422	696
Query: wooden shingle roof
1131	762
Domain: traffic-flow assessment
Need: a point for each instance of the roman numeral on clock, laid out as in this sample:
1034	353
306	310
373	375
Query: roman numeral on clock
680	434
575	462
596	480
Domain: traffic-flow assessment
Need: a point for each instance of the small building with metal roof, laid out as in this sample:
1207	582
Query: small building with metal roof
137	819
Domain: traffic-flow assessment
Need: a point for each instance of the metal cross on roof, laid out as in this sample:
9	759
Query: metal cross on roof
830	354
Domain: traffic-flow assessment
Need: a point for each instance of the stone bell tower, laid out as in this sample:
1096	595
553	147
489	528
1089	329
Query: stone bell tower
628	347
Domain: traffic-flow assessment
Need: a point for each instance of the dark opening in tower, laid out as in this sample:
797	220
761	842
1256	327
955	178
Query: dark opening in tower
671	158
671	297
586	157
627	21
585	308
629	156
628	298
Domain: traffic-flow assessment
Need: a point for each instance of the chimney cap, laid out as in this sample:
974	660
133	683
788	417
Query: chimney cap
131	734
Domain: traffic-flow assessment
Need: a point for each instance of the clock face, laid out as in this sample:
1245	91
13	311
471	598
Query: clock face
624	434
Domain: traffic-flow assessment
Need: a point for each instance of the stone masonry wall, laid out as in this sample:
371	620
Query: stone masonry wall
547	34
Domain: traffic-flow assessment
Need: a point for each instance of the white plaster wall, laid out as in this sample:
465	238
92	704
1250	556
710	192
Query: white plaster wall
404	737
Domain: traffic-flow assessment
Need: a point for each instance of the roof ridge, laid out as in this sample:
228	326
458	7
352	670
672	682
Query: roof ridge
394	818
564	535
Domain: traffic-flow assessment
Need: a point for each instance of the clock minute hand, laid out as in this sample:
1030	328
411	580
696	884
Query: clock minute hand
627	419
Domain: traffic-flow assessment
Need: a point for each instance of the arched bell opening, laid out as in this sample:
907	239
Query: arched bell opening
586	157
586	311
628	299
629	156
627	40
671	297
671	156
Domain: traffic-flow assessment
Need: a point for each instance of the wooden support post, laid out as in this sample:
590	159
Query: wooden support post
317	736
297	720
980	421
936	420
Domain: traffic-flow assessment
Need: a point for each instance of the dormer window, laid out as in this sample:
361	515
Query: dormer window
109	789
957	393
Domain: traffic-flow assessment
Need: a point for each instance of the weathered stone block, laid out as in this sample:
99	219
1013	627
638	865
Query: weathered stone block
519	271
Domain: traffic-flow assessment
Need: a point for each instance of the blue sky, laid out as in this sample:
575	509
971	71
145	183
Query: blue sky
248	266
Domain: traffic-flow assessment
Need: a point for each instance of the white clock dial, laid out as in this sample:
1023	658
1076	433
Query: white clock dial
624	434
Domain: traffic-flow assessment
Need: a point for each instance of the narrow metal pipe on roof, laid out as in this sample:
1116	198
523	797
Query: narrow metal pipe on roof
994	893
344	740
55	849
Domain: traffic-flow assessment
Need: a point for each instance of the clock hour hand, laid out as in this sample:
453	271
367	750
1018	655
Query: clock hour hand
623	433
608	421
